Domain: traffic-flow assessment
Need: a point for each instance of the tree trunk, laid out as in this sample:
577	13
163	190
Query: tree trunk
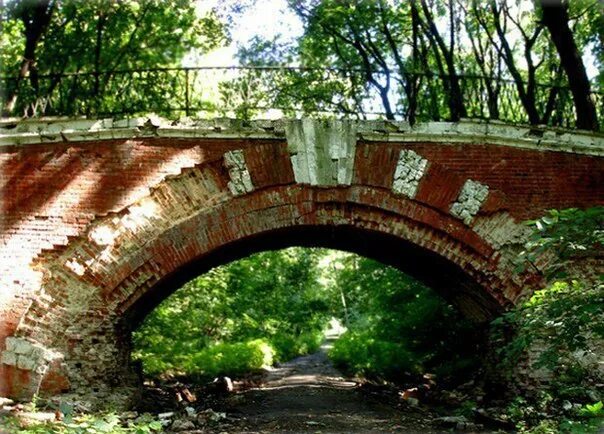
555	17
36	18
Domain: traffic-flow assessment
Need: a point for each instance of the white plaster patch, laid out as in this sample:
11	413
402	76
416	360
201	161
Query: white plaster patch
102	235
470	199
409	171
27	363
241	182
9	358
322	152
76	267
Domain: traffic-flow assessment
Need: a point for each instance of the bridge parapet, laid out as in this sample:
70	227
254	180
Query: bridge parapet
15	132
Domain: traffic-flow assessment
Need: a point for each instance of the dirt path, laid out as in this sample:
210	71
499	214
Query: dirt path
308	395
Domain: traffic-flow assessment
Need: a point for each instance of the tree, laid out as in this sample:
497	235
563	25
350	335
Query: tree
491	59
94	41
274	296
35	16
396	325
556	18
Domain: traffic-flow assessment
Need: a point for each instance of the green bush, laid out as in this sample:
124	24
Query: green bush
360	353
86	424
562	323
564	316
274	296
287	346
231	358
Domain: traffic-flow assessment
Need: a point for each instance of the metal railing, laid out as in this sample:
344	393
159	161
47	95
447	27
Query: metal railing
252	92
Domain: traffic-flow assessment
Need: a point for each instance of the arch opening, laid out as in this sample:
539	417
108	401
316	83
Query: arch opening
444	277
452	283
383	297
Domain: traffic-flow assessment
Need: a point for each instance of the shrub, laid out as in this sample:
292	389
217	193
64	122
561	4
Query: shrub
231	358
360	353
287	346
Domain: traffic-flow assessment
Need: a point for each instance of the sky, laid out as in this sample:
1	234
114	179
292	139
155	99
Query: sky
269	18
266	18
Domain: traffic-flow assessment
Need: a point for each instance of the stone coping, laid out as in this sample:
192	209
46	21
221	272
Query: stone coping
25	132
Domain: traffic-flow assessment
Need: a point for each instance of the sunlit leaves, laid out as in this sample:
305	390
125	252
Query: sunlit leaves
271	295
567	235
102	38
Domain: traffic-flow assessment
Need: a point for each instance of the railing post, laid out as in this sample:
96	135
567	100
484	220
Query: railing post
187	92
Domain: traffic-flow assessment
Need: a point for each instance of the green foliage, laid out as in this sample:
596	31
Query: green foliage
592	410
396	325
218	317
274	306
565	315
563	322
233	359
528	416
568	234
362	354
87	424
397	59
100	39
287	346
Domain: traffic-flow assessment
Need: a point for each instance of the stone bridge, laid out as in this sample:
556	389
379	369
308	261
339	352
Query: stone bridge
102	219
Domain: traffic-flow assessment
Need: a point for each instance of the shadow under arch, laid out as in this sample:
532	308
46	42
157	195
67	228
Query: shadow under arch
437	272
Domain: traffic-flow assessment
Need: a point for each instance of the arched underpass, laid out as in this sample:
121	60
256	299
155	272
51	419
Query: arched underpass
101	222
278	301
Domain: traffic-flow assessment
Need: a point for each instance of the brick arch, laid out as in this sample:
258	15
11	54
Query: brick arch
95	287
431	210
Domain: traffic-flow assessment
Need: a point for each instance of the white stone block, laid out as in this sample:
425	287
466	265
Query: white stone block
25	362
9	358
470	199
322	152
408	173
20	346
241	181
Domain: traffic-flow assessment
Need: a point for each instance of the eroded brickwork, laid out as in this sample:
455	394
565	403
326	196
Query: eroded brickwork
94	222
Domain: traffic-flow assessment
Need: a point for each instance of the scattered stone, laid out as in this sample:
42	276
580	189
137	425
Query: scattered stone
488	418
188	395
566	405
210	416
190	411
31	418
458	422
5	401
223	384
409	393
593	395
313	423
451	421
412	401
471	427
182	425
166	415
